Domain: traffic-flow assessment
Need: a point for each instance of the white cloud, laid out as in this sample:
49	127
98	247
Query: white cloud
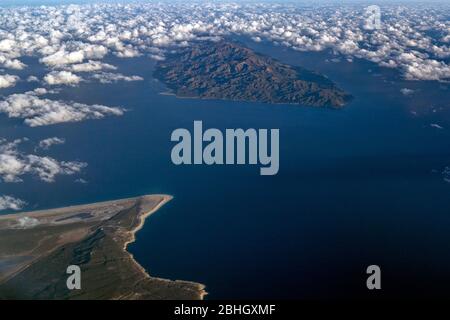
446	174
108	77
91	66
63	57
62	78
15	164
11	63
10	203
406	91
8	80
47	143
7	45
66	39
37	111
78	52
81	181
32	79
436	126
40	91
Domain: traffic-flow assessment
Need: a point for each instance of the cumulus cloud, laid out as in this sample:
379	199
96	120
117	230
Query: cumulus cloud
11	63
63	57
47	143
62	78
108	77
71	53
7	45
406	91
7	81
32	79
14	164
40	91
37	111
91	66
10	203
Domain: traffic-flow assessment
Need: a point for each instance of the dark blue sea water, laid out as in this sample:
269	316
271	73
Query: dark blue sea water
356	187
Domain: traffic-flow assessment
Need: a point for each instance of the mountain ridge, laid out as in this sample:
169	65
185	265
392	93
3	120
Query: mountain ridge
229	71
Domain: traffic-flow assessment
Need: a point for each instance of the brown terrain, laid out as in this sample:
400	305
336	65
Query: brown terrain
37	247
227	70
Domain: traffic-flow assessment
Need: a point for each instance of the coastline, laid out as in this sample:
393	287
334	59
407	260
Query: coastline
329	107
142	217
104	236
132	234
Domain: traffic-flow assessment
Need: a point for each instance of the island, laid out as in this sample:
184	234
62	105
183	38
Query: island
228	70
37	247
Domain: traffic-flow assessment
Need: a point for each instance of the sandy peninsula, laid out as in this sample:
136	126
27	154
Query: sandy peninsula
37	247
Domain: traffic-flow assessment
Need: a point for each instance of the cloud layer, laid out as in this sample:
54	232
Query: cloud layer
413	38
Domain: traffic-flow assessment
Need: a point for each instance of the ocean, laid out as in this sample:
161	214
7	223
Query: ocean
356	187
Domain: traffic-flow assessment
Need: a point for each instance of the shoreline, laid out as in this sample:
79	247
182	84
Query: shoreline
329	107
132	233
142	217
51	211
104	214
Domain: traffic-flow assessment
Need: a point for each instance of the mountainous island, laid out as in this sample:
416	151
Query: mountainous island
38	247
227	70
